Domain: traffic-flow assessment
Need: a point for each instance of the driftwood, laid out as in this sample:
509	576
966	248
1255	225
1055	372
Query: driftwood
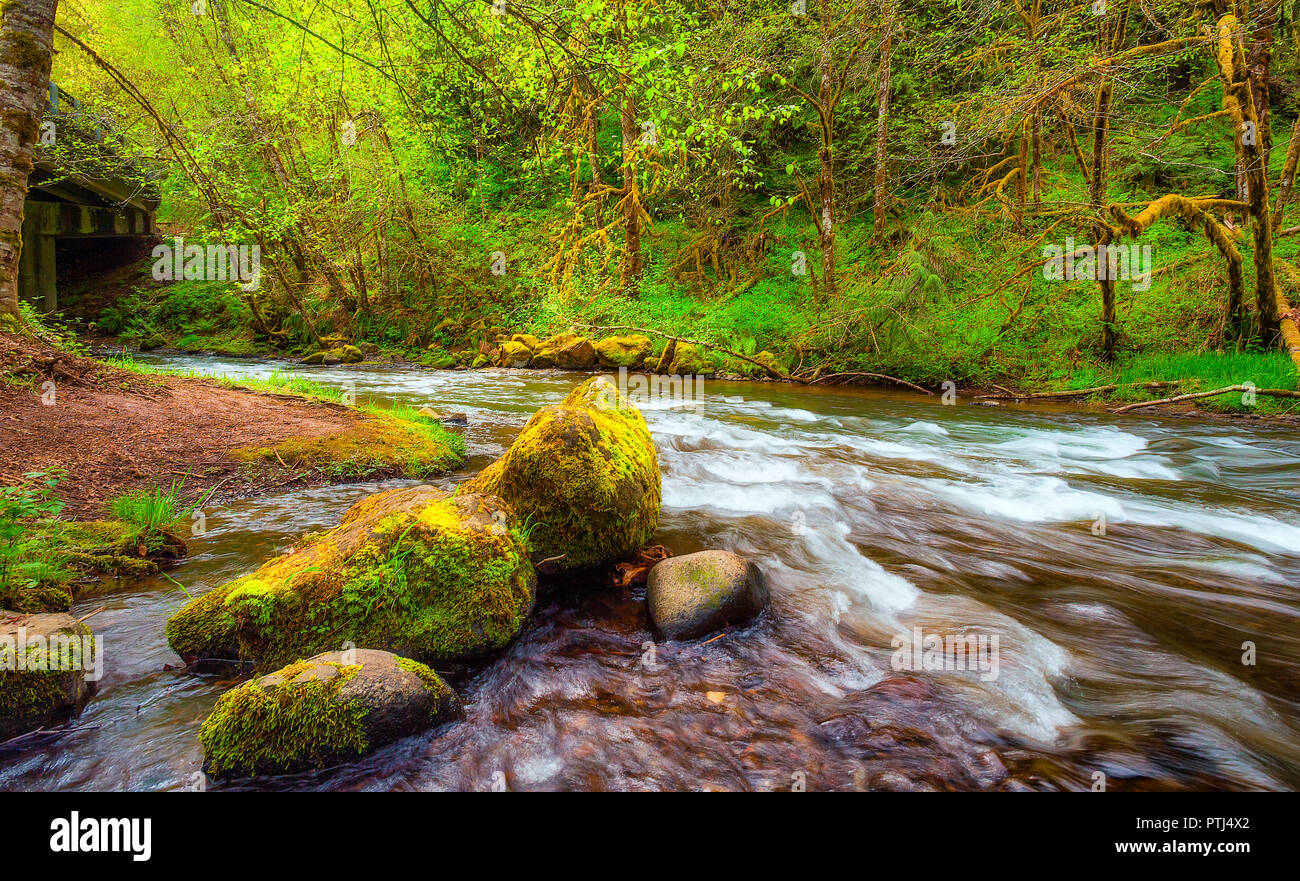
1266	392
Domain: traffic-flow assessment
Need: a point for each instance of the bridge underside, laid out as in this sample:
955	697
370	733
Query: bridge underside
76	216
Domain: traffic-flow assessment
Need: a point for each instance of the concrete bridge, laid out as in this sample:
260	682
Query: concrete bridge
86	206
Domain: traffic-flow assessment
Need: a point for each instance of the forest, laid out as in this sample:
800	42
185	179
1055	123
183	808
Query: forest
608	395
870	187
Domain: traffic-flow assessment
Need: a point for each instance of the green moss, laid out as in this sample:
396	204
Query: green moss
284	727
31	696
381	443
434	687
25	52
585	475
442	582
622	351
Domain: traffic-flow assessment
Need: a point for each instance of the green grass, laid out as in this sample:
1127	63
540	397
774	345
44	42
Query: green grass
154	509
1200	371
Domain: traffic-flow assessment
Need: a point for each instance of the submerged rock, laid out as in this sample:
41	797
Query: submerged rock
583	475
322	711
695	594
622	351
43	664
435	577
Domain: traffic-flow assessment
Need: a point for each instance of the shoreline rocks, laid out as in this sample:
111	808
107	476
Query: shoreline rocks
695	594
322	711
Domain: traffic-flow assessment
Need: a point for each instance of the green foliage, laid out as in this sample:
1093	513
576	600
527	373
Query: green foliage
29	560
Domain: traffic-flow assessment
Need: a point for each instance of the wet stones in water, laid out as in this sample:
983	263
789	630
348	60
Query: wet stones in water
428	575
327	709
44	660
696	594
583	476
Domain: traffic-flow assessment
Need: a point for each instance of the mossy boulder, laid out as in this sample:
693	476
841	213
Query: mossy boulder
44	660
695	594
336	355
152	341
526	339
687	361
480	361
622	351
513	354
322	711
584	476
430	576
568	351
379	443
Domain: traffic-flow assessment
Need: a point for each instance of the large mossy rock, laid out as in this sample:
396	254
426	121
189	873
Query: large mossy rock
622	351
43	664
695	594
567	351
513	354
430	576
322	711
584	478
687	361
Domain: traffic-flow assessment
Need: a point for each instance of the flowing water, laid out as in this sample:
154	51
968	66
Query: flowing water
1131	581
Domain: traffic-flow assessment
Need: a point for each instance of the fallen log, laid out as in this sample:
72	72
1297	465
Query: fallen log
1266	392
1079	393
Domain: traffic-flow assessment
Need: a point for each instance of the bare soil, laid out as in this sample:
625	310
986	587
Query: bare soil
115	431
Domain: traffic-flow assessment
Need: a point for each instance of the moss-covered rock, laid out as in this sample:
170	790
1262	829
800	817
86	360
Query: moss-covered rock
513	354
322	711
480	361
427	575
622	351
567	351
526	339
687	361
583	476
44	660
695	594
381	443
336	355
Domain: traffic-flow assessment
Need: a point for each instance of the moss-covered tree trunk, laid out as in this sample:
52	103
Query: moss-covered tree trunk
882	120
26	52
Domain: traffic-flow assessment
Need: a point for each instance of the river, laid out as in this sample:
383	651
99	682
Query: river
1132	582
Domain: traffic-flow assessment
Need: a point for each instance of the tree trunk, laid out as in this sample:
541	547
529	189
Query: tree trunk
882	120
26	52
631	202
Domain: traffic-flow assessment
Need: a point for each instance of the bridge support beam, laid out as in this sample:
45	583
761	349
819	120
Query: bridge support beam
44	222
37	271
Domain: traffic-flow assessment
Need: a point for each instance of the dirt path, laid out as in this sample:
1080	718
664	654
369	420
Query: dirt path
114	431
